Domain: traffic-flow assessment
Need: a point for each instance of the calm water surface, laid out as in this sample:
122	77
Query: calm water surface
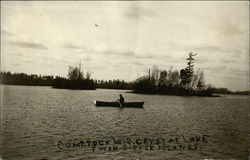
34	119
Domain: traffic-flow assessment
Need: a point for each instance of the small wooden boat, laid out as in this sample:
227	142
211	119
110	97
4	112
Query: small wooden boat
118	104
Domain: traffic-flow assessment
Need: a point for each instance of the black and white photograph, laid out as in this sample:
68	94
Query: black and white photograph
124	80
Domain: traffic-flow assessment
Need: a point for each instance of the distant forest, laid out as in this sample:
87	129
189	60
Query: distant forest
184	82
60	82
39	80
157	81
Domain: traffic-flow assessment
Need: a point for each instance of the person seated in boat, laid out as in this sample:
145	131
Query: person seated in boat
121	100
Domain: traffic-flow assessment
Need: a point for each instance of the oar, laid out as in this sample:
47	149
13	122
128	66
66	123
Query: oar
120	104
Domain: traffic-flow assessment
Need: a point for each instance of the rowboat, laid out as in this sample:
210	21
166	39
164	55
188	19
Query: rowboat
118	104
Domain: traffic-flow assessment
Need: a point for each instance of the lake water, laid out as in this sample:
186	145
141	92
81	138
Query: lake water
41	123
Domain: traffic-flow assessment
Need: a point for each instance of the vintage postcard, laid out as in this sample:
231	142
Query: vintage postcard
124	80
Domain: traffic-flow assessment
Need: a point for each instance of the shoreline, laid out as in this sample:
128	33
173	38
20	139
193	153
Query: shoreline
172	94
131	91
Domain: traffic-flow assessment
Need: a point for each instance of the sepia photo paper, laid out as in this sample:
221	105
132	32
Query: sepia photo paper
124	80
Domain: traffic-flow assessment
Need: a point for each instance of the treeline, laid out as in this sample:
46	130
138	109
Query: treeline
227	91
167	85
25	79
64	83
157	81
113	84
75	80
168	82
174	82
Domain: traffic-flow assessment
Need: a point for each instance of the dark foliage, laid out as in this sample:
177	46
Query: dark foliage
75	80
227	91
60	82
25	79
170	82
113	84
35	80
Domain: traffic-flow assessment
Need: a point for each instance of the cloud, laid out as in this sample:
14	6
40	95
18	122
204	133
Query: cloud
156	56
204	59
138	64
6	33
231	28
17	64
71	46
211	49
214	69
118	53
130	62
86	59
109	51
96	50
31	45
230	78
136	12
226	60
238	72
235	60
16	54
218	49
144	56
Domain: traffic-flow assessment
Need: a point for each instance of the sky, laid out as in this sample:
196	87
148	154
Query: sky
121	40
